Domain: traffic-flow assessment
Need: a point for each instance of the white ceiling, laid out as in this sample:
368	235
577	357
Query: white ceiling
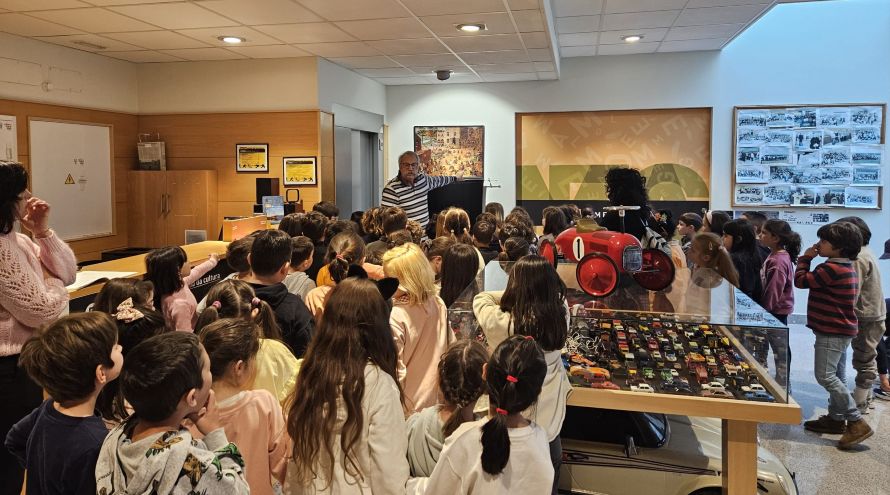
392	41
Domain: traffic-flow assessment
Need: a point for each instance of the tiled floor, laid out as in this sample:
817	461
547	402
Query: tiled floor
821	468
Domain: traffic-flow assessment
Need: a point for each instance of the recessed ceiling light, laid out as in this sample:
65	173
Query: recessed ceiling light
632	38
232	40
471	28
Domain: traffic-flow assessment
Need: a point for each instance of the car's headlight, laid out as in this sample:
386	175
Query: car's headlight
784	483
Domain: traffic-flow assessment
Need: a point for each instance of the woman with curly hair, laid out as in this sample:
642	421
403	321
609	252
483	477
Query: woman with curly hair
627	187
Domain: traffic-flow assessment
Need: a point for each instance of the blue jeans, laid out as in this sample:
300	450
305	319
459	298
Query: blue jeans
829	349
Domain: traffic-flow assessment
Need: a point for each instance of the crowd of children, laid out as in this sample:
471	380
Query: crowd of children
325	363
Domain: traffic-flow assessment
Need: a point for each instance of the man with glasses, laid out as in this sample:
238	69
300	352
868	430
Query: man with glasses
409	189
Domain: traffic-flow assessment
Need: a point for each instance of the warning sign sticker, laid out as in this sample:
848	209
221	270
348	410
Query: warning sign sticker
69	180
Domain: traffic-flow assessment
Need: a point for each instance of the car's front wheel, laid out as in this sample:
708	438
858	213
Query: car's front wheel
708	491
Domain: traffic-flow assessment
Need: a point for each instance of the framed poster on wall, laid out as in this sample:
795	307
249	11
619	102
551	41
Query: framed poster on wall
300	170
816	156
451	150
252	158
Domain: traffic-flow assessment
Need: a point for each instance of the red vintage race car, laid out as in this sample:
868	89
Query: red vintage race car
603	256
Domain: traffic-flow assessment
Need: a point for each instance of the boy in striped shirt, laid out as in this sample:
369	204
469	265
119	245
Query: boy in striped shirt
834	288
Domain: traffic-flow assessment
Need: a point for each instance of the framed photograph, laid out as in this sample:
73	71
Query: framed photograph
300	170
252	158
451	150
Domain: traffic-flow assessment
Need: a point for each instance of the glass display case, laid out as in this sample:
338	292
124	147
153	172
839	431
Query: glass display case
699	337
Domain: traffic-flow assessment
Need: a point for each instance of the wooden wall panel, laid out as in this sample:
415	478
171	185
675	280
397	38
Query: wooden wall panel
326	172
124	146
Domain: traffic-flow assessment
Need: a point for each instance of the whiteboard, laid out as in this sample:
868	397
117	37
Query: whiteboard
71	170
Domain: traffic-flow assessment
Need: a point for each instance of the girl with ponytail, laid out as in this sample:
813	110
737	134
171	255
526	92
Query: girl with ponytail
461	383
711	259
504	453
346	248
777	277
276	366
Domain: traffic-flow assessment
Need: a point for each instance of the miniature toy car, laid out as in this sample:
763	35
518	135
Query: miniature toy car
718	394
758	397
695	357
642	387
753	387
713	386
648	374
671	357
656	355
605	385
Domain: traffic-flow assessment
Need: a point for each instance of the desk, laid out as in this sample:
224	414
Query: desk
197	253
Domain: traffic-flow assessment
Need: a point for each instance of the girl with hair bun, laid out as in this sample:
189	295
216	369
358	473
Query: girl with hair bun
346	248
276	366
711	261
504	453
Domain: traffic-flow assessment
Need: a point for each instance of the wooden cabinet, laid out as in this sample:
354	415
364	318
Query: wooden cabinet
164	204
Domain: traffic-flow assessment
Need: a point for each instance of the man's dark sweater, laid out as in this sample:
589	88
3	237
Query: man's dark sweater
291	313
320	248
59	451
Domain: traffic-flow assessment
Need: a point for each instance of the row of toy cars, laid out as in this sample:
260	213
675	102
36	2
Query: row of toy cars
651	354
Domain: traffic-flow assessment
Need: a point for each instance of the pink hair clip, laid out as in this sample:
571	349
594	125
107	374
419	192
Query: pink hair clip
501	411
216	304
255	302
512	379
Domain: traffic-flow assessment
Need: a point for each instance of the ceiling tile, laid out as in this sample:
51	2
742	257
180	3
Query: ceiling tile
529	21
422	8
578	39
455	69
24	25
252	12
26	5
424	60
270	51
720	3
692	45
627	48
409	47
497	77
523	4
580	24
341	49
103	3
204	54
702	32
577	51
544	66
71	41
649	35
454	79
333	10
394	72
639	20
547	76
175	15
484	43
311	32
385	29
210	35
402	81
94	20
621	6
719	15
379	62
536	40
540	55
504	68
157	40
572	8
444	25
144	56
508	56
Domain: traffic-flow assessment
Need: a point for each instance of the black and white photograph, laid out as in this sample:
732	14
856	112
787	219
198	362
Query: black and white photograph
779	118
803	117
783	174
867	135
834	196
808	158
777	195
861	197
808	140
866	116
866	155
749	195
834	157
836	136
752	137
834	116
867	176
752	118
837	175
805	196
775	155
808	175
779	138
747	155
751	174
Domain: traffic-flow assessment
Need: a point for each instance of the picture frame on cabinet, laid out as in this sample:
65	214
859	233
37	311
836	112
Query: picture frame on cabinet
300	170
252	158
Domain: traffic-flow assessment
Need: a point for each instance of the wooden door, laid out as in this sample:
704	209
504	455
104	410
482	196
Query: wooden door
191	199
145	211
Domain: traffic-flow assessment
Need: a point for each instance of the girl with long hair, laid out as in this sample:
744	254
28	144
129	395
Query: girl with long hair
419	322
627	187
533	304
505	452
777	278
345	415
554	222
713	221
495	209
711	261
276	365
118	290
740	240
168	270
251	418
457	224
461	383
435	252
459	268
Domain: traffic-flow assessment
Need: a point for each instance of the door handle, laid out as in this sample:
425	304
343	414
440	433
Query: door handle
169	197
163	204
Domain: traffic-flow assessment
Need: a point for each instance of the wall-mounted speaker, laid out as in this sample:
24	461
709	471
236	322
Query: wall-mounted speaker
266	186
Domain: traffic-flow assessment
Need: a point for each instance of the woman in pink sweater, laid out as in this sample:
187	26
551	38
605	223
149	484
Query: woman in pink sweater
33	275
777	277
168	270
